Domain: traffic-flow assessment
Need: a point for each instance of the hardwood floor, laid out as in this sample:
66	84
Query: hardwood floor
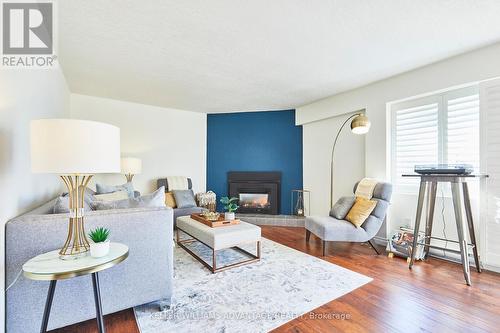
431	297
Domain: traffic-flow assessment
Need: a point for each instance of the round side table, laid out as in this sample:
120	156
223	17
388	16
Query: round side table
48	267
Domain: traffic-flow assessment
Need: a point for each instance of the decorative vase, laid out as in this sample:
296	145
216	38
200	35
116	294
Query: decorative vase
229	216
98	250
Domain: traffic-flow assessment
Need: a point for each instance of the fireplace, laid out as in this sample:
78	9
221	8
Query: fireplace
257	192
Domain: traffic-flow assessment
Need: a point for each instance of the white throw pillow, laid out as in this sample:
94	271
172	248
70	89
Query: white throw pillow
114	196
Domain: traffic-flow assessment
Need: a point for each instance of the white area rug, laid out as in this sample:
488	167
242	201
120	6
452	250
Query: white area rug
257	297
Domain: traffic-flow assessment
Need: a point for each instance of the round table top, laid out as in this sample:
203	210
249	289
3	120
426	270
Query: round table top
49	266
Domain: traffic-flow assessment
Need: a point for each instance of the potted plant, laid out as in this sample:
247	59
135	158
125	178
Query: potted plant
230	207
99	247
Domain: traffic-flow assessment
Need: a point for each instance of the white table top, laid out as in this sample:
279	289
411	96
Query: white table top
49	266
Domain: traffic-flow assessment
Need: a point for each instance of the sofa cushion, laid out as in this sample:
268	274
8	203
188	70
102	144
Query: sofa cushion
170	200
342	207
155	199
184	198
330	229
168	188
360	211
380	209
381	191
188	211
102	188
61	204
113	196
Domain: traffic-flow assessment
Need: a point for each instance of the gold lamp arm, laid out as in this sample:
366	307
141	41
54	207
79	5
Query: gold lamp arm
333	155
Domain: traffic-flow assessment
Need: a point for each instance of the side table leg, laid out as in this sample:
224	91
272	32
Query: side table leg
48	306
420	204
98	305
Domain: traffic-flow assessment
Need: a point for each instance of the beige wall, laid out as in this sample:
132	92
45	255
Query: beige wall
170	142
25	95
349	164
474	66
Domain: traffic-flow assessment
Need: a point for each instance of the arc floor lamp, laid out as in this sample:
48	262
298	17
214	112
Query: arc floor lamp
360	124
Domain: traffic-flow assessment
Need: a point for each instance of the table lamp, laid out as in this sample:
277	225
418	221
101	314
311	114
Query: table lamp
76	150
360	124
131	166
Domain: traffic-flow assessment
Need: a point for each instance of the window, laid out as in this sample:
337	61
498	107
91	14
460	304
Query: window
441	128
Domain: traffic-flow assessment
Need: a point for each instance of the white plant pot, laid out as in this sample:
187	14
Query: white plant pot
98	250
229	216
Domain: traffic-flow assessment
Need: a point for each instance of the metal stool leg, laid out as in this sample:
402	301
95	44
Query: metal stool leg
421	195
98	305
48	306
455	190
431	204
470	223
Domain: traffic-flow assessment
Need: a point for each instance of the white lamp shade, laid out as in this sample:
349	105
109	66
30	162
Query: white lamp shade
71	146
131	165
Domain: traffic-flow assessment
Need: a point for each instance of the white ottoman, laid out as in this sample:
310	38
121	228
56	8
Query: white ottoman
219	238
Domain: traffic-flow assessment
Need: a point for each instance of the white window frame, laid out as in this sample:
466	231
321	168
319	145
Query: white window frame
441	98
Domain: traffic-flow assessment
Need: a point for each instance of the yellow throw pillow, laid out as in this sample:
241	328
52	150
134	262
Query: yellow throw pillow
360	211
170	200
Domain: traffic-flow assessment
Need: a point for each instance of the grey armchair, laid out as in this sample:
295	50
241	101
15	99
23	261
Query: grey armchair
330	229
181	211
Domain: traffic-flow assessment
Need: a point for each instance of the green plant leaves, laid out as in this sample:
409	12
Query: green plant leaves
229	204
99	235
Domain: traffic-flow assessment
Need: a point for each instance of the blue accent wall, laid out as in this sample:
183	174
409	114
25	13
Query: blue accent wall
254	141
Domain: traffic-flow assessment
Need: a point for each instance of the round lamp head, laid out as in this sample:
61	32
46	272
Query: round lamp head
360	124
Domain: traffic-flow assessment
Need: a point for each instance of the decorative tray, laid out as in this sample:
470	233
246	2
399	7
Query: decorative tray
220	222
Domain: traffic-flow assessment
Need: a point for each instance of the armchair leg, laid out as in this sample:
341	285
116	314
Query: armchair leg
373	246
308	235
324	248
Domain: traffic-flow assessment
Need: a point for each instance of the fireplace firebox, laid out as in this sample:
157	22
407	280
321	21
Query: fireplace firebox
257	192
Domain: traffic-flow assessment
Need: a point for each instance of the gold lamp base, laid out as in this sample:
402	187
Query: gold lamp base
76	244
129	177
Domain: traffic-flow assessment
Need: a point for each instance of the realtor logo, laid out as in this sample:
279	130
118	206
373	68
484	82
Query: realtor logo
27	34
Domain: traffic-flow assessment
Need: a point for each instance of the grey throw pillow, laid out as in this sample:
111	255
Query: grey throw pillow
155	199
342	207
103	189
184	198
61	205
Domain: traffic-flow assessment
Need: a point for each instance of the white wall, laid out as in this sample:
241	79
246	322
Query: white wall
349	164
170	142
25	95
470	67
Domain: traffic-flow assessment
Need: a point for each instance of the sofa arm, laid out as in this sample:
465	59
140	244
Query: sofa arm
29	235
145	276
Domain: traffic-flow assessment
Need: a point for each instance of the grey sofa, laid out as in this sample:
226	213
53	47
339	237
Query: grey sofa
181	211
145	276
329	229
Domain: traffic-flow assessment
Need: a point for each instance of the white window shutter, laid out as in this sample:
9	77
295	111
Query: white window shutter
462	127
415	139
489	92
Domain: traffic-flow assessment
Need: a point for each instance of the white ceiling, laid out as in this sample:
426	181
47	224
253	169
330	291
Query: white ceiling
237	55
